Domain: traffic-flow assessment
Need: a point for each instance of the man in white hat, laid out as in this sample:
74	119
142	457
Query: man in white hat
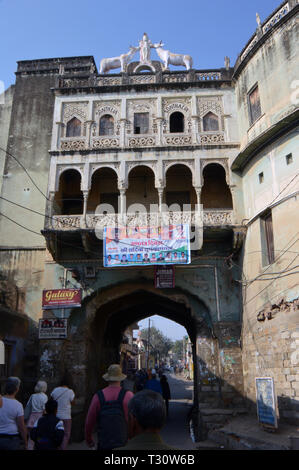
109	410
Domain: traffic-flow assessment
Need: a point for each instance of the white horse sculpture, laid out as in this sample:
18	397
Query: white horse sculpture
116	62
168	57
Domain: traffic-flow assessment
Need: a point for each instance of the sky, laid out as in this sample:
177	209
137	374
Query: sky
169	328
207	30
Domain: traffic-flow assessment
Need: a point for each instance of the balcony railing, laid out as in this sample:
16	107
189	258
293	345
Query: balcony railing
212	218
140	141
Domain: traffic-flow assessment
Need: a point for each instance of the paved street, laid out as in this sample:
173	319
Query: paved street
176	431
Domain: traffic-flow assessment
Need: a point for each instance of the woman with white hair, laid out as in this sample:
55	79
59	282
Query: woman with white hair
35	407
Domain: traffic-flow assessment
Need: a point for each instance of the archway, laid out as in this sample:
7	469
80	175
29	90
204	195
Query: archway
69	198
179	191
103	190
110	313
141	189
215	193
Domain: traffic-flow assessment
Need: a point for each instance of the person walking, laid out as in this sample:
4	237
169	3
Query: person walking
109	410
165	391
64	396
12	424
153	383
35	408
48	431
147	415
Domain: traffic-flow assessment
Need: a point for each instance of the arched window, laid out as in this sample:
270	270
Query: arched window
215	193
176	122
210	122
106	125
73	128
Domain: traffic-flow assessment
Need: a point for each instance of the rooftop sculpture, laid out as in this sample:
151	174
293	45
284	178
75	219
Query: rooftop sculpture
144	48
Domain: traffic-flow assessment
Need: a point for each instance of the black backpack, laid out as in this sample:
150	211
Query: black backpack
112	425
46	435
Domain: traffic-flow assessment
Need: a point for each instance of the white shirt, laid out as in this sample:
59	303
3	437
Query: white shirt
64	397
9	412
38	402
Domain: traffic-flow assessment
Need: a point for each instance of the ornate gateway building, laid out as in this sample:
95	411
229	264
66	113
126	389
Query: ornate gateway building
212	149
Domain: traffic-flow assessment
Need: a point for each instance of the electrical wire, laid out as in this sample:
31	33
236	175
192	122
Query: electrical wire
22	166
53	218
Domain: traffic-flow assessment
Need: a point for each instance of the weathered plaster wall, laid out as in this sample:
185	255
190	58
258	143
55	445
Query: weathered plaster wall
24	271
273	67
29	141
6	100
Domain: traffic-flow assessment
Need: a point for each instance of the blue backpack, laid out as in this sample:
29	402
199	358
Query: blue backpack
112	425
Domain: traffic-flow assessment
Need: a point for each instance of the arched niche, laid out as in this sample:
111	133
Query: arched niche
141	187
106	125
176	122
210	122
179	191
215	192
103	189
74	127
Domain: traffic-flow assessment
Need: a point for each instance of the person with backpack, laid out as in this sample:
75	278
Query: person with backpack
109	411
48	431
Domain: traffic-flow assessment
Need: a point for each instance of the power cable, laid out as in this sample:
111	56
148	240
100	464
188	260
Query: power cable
22	166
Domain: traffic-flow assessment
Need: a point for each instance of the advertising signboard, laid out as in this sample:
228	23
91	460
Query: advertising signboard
52	328
61	298
146	246
266	401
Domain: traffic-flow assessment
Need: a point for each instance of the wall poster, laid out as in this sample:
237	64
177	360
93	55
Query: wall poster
146	246
266	402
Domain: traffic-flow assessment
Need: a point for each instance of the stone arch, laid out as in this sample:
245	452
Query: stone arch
179	186
103	188
141	185
215	193
106	125
110	311
74	127
209	122
63	169
177	122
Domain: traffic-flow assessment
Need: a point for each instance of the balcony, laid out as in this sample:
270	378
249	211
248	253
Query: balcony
211	218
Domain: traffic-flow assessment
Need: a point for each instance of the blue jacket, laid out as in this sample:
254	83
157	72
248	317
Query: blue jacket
153	384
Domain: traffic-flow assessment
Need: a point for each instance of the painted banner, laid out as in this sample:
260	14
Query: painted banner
61	298
146	246
266	401
52	328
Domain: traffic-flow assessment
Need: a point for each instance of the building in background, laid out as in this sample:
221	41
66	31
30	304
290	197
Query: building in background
223	140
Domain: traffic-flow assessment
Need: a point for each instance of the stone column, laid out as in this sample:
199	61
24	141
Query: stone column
50	211
159	130
88	136
198	193
121	216
160	193
85	200
194	129
122	132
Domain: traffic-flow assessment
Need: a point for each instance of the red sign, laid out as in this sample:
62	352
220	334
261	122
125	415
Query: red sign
164	277
62	298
